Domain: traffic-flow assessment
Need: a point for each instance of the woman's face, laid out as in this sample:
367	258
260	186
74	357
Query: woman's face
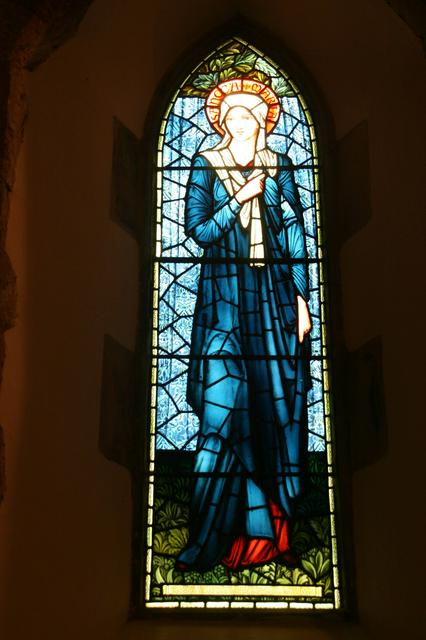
241	124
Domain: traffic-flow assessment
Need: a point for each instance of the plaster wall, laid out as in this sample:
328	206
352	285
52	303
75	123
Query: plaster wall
66	520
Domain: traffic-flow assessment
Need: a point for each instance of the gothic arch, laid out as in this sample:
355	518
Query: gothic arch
156	123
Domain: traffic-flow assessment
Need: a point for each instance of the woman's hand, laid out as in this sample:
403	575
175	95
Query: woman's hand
304	324
251	189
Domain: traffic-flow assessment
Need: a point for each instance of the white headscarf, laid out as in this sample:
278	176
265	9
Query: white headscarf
264	160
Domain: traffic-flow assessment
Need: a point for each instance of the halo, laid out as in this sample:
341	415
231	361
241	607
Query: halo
242	85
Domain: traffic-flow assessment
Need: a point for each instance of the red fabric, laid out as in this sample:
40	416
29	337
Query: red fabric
246	551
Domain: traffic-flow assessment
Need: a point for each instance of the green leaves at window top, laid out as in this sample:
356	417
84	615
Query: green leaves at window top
235	61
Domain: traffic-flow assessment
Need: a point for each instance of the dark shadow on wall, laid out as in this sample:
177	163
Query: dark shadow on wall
29	32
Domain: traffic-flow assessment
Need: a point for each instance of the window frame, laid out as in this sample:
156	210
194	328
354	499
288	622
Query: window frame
274	49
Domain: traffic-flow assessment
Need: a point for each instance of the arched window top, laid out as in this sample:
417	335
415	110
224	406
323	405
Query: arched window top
186	129
241	473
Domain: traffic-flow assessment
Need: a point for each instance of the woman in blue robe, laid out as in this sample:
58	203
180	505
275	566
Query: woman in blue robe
249	366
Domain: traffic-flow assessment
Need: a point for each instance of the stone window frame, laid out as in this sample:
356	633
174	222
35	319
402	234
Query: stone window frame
143	229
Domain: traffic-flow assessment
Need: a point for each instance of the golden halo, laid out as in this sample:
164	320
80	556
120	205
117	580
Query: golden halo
242	85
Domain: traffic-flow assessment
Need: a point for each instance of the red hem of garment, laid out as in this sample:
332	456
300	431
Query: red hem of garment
248	551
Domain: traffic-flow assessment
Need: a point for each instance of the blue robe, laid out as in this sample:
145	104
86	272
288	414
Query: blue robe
248	374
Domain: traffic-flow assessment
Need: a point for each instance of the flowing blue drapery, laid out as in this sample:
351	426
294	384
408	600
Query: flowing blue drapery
248	373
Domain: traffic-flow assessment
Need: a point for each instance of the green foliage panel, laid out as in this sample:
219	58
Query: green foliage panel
235	60
309	536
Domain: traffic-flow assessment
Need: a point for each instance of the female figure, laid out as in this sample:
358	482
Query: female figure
248	373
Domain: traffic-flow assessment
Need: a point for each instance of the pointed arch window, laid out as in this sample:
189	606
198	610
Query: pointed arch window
241	491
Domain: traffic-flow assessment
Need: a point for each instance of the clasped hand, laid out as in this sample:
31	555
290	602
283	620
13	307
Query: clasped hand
252	188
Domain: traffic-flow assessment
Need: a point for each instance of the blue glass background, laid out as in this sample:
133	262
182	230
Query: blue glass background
188	131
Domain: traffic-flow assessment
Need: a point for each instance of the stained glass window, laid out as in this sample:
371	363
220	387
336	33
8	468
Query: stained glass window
241	489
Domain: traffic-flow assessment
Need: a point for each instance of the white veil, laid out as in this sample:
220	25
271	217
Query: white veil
265	160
